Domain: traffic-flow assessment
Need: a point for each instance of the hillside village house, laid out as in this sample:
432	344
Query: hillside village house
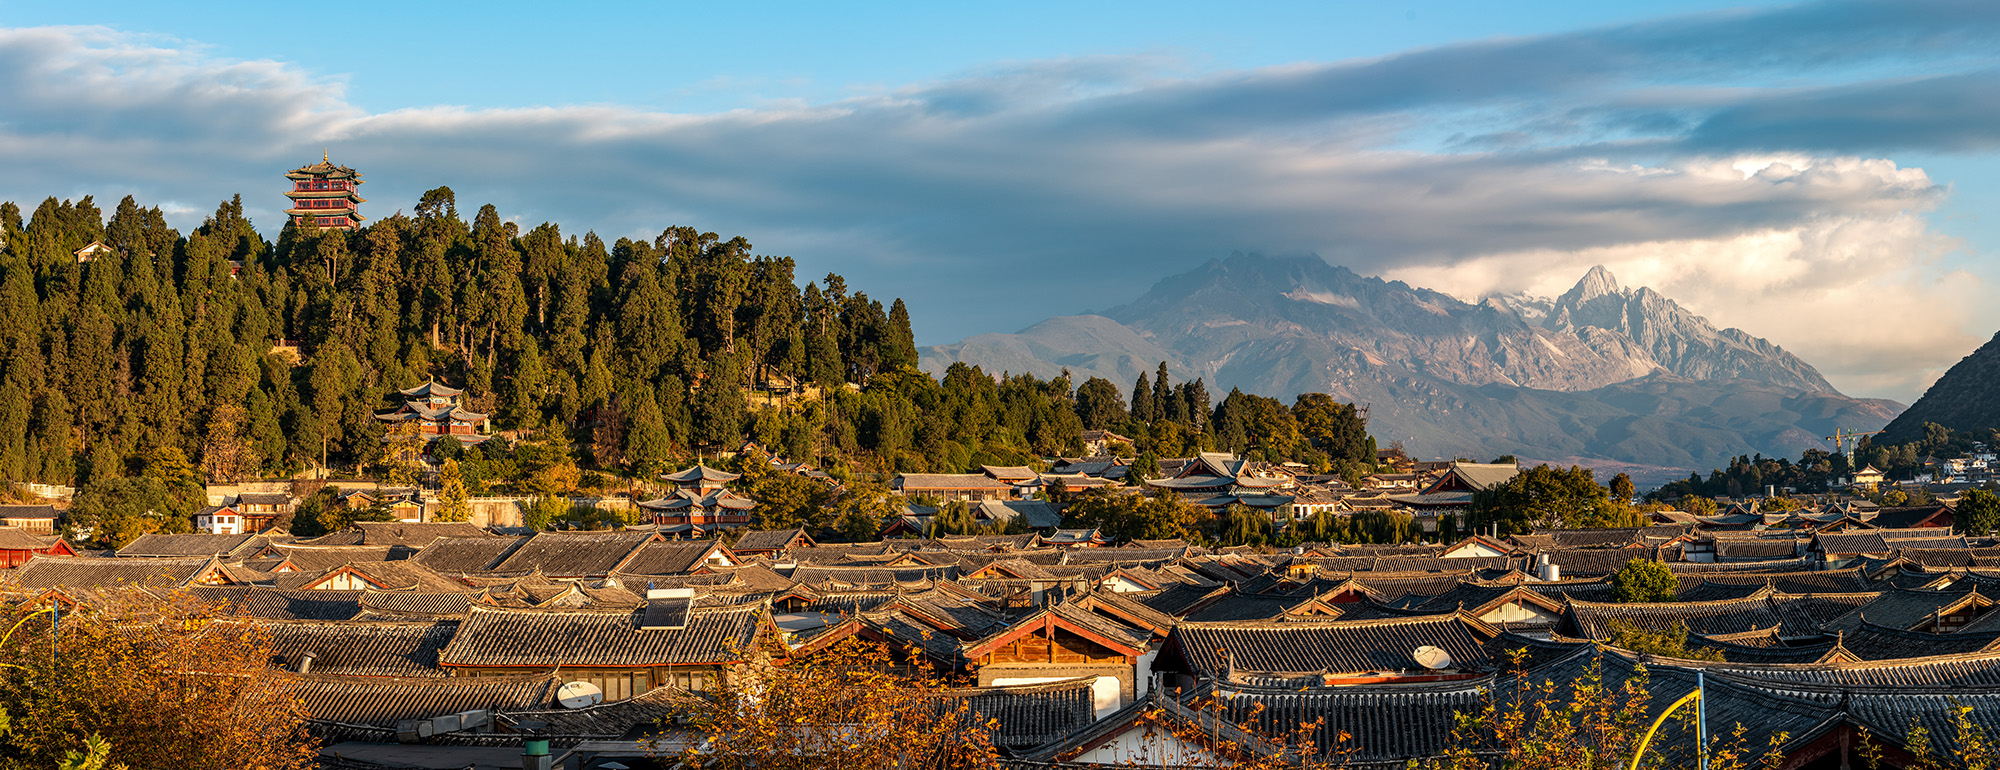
37	519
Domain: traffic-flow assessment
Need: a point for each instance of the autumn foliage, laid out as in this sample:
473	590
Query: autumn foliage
161	680
853	705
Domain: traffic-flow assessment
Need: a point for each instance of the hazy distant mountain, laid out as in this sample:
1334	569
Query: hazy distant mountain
1602	371
1966	399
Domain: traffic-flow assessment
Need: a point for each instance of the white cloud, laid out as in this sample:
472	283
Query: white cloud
1001	197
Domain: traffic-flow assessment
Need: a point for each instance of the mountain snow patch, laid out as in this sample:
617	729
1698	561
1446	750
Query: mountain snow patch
1323	297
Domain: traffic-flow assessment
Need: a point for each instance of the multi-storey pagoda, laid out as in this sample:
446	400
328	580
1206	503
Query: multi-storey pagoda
324	195
436	411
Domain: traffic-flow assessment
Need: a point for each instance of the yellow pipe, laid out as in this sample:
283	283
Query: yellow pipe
1643	742
17	626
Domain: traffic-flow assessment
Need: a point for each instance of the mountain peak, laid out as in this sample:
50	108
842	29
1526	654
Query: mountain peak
1596	283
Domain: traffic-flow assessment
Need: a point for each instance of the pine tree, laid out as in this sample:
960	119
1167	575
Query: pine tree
647	445
1142	401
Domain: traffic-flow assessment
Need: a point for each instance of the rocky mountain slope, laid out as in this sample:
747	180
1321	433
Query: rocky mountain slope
1602	371
1965	399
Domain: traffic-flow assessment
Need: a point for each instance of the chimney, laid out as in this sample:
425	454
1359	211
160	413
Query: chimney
306	662
535	754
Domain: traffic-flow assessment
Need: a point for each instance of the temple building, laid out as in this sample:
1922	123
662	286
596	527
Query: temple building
437	412
700	503
324	195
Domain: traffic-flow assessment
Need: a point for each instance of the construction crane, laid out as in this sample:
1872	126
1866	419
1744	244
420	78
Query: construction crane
1843	440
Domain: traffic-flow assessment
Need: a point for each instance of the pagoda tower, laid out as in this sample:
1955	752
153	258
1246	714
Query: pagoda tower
324	195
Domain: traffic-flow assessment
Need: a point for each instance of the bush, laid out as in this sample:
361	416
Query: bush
1644	580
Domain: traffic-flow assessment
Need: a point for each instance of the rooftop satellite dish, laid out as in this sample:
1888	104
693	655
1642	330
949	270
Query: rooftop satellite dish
576	695
1432	657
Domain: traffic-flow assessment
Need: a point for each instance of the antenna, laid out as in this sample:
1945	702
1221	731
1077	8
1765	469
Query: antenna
576	695
1432	657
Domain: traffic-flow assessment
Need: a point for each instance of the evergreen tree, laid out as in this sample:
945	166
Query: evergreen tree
453	496
1143	410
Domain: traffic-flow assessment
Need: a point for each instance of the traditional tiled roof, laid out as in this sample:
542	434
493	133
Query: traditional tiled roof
1817	611
96	572
770	540
1476	476
614	719
853	577
407	533
1902	517
547	638
18	539
1592	620
1209	650
394	576
432	388
1009	473
1901	608
700	472
157	545
361	649
1125	555
1036	514
1758	548
278	604
1127	610
29	512
575	554
670	557
1832	581
467	554
713	501
1962	670
323	558
917	483
383	702
1031	715
1847	543
747	577
1178	600
1873	642
417	603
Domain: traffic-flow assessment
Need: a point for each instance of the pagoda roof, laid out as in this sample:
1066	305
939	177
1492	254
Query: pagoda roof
414	410
351	214
324	168
348	193
431	388
682	499
701	472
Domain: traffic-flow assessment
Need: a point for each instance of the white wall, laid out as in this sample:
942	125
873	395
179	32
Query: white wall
1105	691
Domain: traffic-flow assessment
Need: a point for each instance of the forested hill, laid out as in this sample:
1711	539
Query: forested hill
150	368
637	351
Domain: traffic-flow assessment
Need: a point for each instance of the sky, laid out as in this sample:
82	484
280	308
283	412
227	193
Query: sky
1819	174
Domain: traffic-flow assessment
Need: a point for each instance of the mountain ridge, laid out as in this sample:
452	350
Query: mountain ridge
1962	399
1281	326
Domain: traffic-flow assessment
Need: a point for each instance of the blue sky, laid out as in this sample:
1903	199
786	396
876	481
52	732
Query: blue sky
1818	174
704	57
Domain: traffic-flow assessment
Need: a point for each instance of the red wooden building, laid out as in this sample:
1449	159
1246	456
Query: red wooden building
436	411
324	195
17	546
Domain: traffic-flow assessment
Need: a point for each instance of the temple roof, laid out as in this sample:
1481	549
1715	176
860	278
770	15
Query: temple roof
700	473
431	388
324	169
426	412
